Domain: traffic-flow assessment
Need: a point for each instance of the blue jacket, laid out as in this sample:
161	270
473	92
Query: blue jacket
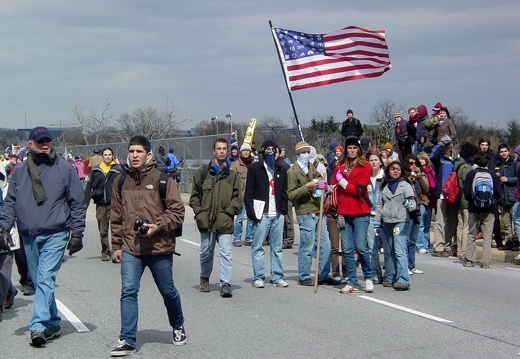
63	210
443	166
507	189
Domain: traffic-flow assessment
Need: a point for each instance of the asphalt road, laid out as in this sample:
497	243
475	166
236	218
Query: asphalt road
450	312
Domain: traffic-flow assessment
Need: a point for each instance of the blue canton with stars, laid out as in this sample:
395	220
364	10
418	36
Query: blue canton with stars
298	45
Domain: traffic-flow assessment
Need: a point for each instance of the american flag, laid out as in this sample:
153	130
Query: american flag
311	60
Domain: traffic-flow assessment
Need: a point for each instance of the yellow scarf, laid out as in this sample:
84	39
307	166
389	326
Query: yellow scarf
106	167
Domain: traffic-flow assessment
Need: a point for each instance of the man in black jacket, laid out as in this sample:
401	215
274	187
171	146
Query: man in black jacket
351	126
265	199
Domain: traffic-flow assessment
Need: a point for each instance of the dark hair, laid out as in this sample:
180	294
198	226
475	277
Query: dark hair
468	150
220	140
445	110
482	159
107	149
485	139
503	145
387	172
140	141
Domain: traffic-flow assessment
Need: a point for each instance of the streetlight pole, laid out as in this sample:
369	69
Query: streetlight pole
231	122
216	122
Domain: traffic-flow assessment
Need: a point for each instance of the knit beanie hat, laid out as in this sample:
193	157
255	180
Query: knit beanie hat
267	143
350	111
352	141
437	107
388	146
302	146
398	114
517	150
245	147
339	148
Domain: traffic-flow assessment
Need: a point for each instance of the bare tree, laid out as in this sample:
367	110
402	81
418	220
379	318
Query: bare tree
93	125
150	122
383	116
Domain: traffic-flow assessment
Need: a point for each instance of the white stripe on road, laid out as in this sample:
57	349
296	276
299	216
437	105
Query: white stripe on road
71	317
190	242
513	268
404	309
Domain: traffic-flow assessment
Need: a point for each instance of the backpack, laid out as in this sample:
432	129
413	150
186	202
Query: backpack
163	180
451	190
482	190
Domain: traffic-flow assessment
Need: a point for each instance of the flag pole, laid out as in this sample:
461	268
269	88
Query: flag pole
300	133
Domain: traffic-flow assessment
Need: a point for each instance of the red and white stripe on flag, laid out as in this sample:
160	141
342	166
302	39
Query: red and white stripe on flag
352	53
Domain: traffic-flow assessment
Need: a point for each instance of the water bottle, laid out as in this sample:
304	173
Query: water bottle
317	191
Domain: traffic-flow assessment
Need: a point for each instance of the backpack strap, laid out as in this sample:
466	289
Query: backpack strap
163	181
120	182
203	175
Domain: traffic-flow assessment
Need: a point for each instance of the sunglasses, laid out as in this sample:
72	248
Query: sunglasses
412	163
44	140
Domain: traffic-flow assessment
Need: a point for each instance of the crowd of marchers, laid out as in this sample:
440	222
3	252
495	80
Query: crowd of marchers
356	206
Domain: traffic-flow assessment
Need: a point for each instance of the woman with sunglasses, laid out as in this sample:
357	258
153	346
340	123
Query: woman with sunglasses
392	219
420	186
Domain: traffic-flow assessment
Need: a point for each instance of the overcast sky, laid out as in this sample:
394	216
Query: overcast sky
214	57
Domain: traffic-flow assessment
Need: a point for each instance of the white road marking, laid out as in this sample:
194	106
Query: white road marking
71	317
517	269
190	242
404	309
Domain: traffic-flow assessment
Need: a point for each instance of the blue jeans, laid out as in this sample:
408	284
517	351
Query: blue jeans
207	249
237	229
423	238
516	218
412	240
132	268
272	226
374	244
354	237
308	240
394	237
44	255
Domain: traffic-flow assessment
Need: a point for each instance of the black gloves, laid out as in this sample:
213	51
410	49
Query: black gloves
75	243
5	240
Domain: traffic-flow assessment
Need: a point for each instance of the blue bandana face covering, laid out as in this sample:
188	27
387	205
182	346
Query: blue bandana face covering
269	159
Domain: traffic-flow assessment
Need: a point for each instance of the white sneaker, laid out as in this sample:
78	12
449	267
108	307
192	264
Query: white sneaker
349	289
339	279
281	283
258	284
423	251
517	257
410	272
344	280
417	271
369	286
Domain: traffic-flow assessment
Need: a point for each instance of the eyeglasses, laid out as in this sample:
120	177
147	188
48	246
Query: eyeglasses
412	163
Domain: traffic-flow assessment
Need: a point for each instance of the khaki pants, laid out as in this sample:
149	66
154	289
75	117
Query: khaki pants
485	222
506	222
462	232
445	226
103	219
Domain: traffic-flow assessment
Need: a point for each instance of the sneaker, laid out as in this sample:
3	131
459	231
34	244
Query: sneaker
105	257
369	286
123	349
517	257
51	333
281	283
27	290
329	281
38	338
423	251
387	284
468	264
415	271
204	285
441	254
225	291
399	286
248	243
338	278
306	282
237	244
179	336
410	272
344	280
9	300
484	265
258	284
349	289
376	281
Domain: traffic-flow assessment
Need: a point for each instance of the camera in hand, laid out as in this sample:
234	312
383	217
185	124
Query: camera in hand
138	226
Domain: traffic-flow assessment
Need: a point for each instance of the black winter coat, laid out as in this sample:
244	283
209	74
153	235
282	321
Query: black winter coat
99	188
